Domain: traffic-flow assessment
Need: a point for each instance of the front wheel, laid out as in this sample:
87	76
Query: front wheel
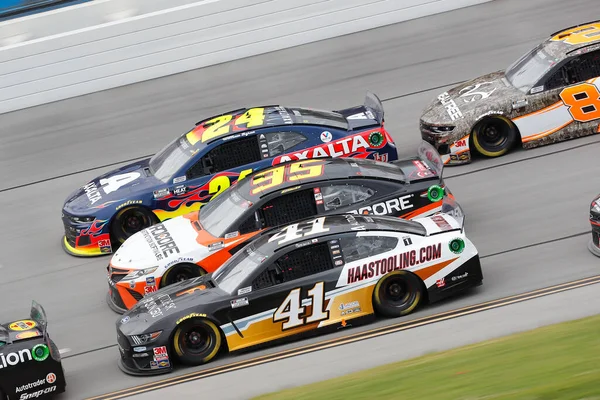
397	294
494	136
197	341
181	272
129	221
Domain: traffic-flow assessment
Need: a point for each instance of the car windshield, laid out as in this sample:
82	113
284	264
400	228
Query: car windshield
238	268
319	117
529	69
169	160
219	214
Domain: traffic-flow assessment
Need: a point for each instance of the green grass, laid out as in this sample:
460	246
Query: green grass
555	362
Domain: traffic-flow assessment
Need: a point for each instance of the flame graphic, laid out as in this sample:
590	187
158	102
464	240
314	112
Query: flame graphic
95	228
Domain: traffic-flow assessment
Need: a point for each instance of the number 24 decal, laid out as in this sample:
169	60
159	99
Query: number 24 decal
221	125
291	309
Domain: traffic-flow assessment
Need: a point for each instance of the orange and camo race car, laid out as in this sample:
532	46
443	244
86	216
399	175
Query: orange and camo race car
549	95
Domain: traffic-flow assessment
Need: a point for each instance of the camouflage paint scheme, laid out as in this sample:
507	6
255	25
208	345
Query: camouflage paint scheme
493	95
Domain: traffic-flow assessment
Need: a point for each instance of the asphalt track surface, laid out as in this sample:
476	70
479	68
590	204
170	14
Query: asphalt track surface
526	212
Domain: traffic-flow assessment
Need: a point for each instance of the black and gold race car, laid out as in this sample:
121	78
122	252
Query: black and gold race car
30	363
198	243
551	94
312	276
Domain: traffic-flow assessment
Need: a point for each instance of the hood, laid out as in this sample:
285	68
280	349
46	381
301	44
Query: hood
487	93
115	186
163	244
172	302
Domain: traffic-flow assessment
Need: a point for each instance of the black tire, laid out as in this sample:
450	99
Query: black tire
397	294
494	136
129	221
181	272
197	341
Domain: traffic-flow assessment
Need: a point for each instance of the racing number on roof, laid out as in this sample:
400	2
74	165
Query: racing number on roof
292	173
292	232
583	101
222	125
291	309
580	35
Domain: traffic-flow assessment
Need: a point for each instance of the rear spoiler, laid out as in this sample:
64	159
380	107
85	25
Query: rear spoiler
451	207
373	104
39	316
429	155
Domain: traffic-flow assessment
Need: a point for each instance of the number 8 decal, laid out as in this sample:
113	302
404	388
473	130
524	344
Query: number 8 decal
291	309
583	102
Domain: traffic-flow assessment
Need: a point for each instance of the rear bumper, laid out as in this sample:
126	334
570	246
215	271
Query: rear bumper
466	276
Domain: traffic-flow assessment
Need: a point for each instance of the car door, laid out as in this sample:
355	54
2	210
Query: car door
565	104
287	297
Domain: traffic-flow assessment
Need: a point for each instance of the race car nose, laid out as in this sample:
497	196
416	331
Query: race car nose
134	253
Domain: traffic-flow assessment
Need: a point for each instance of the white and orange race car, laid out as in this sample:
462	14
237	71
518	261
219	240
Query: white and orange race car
549	95
198	243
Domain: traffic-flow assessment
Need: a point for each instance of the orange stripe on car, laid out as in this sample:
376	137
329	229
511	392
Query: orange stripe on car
542	111
430	271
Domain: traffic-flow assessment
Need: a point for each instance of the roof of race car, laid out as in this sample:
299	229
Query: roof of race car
560	44
334	224
315	170
249	119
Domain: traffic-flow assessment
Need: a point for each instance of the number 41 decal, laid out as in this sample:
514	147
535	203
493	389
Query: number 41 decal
291	309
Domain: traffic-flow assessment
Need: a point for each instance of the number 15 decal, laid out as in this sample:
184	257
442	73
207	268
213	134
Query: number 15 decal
291	309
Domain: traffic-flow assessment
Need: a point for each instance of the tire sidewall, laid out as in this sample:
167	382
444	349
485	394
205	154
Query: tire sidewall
206	356
387	310
199	272
118	237
510	140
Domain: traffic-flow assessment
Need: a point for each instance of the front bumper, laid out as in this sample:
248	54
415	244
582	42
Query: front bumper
453	147
145	363
123	295
86	239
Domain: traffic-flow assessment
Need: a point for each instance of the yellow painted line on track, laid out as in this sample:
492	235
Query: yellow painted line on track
351	338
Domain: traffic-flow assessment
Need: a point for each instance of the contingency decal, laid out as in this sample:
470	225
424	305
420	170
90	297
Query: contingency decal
23	325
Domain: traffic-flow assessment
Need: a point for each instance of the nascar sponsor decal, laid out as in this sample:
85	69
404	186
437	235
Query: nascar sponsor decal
337	148
92	192
402	260
50	379
23	325
450	106
387	207
39	352
28	334
153	307
160	241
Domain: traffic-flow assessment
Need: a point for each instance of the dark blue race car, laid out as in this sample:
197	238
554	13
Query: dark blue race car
205	161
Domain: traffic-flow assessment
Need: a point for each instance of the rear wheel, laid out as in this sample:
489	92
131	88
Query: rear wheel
197	341
494	136
397	294
181	272
129	221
